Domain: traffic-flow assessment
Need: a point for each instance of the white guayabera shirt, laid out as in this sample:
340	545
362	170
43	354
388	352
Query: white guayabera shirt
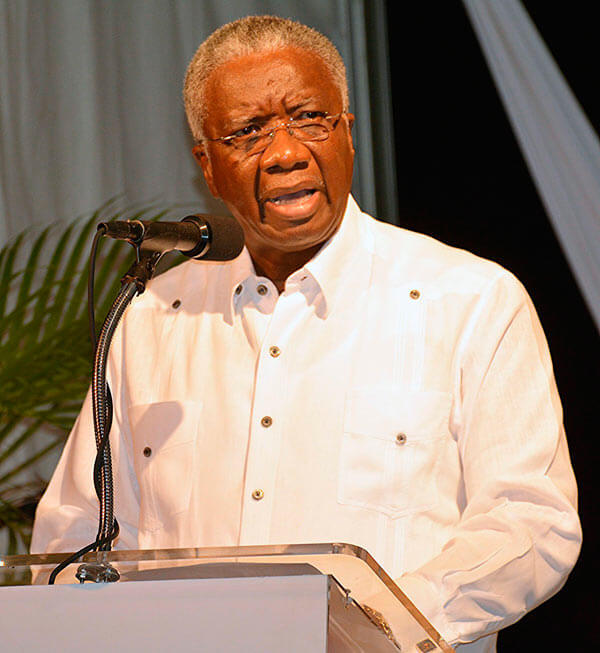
397	395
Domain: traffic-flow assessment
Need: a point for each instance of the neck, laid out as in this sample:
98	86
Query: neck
278	266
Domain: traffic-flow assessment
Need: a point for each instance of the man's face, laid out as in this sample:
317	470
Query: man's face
291	197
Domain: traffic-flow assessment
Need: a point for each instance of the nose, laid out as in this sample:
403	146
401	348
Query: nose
284	153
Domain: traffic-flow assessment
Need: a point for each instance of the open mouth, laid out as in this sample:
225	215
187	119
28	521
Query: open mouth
290	198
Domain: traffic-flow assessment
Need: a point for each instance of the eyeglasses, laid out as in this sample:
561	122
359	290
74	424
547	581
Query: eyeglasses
255	138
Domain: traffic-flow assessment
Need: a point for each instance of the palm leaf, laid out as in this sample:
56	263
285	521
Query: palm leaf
45	293
26	280
6	271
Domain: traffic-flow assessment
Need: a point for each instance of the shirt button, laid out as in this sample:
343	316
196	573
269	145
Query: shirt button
266	421
401	438
257	495
147	452
261	289
414	294
238	290
274	351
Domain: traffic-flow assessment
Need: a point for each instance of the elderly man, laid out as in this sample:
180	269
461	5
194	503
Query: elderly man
340	380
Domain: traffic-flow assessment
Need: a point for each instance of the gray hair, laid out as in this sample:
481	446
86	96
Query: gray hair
246	36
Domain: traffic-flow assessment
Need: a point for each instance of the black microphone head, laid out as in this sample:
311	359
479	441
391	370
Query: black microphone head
226	237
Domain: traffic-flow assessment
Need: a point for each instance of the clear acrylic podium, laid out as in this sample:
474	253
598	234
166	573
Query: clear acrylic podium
290	598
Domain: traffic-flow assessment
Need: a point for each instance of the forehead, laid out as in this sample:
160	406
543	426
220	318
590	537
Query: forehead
267	82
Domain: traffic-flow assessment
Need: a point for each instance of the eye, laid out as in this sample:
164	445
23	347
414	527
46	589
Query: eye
248	130
311	115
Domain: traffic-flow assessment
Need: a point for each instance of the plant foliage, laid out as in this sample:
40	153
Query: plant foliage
45	351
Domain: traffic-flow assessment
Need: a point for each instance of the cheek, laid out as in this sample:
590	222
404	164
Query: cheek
236	184
337	169
337	159
231	178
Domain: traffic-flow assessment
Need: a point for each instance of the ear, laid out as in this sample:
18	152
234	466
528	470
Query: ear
350	119
201	155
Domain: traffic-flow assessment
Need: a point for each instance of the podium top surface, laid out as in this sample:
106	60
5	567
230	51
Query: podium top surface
199	553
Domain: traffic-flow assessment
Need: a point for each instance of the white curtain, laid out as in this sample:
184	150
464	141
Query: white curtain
560	146
90	100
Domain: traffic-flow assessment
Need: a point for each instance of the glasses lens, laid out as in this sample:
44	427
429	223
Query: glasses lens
255	143
311	131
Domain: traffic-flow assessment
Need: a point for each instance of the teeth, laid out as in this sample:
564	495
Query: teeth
291	197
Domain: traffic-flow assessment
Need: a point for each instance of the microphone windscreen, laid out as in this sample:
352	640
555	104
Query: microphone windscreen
226	238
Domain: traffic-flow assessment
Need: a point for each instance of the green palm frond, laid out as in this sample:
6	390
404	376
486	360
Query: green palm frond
45	352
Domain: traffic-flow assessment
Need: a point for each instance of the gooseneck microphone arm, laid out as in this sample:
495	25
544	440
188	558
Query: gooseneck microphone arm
133	283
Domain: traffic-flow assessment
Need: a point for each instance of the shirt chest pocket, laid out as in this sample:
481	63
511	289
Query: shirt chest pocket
390	449
164	436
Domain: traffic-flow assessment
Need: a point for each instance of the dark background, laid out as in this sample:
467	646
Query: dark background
463	180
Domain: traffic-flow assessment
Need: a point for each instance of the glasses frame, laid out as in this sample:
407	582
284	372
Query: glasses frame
284	124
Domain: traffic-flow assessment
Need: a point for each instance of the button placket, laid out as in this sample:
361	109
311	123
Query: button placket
265	436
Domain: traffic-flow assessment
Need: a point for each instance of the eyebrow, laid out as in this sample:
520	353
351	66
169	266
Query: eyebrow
240	120
299	105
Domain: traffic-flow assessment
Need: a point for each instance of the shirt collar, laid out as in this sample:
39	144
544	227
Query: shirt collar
322	278
242	272
342	258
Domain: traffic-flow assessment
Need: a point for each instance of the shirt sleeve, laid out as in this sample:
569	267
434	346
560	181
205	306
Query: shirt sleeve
519	535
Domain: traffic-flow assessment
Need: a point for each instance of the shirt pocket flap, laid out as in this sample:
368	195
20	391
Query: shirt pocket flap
385	412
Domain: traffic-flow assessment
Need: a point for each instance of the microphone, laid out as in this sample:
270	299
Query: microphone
206	237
